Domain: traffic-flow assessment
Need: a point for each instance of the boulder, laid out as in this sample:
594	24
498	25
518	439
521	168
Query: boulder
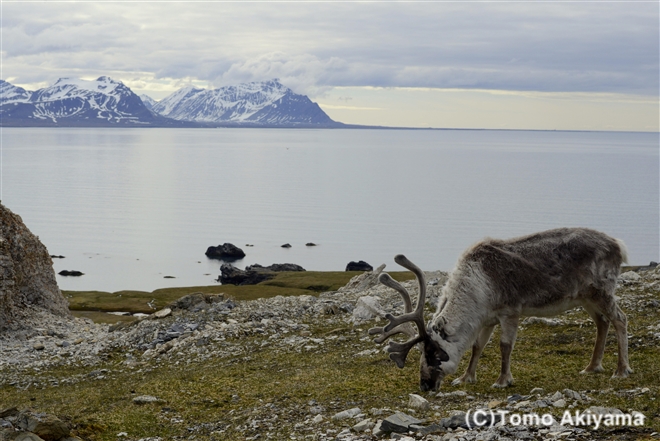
399	423
363	281
47	427
27	278
359	266
197	301
367	308
418	402
226	251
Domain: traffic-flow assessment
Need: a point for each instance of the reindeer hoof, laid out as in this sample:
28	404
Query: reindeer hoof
502	383
463	379
623	374
594	370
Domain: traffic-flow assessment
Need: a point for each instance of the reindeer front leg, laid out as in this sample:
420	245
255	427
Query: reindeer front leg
470	375
509	330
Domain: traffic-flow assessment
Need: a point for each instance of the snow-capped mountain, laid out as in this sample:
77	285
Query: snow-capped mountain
259	103
148	101
70	101
12	94
105	102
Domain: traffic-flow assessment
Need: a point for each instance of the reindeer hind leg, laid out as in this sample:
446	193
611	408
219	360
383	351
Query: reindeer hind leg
605	305
507	340
620	323
602	326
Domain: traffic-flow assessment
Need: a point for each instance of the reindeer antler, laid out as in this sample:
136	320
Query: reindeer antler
399	324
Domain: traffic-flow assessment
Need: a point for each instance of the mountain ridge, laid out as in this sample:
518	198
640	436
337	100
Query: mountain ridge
105	102
266	102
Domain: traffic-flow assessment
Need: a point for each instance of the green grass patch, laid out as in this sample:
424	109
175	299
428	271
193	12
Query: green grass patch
284	284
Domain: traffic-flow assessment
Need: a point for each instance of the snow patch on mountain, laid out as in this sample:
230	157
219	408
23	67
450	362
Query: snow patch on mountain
105	102
12	94
75	99
267	102
148	101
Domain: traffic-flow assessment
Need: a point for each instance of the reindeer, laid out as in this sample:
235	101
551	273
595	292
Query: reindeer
496	282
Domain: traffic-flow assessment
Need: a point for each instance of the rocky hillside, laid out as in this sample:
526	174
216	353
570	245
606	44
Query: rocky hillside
27	278
304	367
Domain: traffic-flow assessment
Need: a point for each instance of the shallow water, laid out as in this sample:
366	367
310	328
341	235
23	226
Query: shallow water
128	207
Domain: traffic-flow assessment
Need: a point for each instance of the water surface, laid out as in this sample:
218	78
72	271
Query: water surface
130	206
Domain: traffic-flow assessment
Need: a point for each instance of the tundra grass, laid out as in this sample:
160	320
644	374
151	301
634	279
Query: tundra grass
269	390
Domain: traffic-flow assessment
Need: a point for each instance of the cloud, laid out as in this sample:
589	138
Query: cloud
303	73
311	47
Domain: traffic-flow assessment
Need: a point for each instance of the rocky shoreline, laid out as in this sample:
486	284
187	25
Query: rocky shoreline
201	327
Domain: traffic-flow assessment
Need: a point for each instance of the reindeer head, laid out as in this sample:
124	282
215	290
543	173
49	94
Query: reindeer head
433	356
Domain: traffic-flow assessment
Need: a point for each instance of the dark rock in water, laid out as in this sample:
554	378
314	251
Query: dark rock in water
226	251
276	267
310	244
359	266
253	274
71	273
230	275
286	245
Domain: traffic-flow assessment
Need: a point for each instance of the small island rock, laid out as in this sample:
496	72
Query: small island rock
226	251
359	266
71	273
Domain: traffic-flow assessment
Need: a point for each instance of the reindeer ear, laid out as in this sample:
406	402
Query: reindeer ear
440	329
448	330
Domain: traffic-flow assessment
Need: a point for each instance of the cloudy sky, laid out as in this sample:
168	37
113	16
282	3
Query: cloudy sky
517	64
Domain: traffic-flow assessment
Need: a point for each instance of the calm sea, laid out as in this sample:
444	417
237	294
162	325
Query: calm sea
129	207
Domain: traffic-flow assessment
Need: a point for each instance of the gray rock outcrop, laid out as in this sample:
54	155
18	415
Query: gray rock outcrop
253	274
27	278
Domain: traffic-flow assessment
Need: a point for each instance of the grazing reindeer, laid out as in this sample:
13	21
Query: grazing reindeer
497	281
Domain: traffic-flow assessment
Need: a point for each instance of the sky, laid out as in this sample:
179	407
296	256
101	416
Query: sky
549	65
